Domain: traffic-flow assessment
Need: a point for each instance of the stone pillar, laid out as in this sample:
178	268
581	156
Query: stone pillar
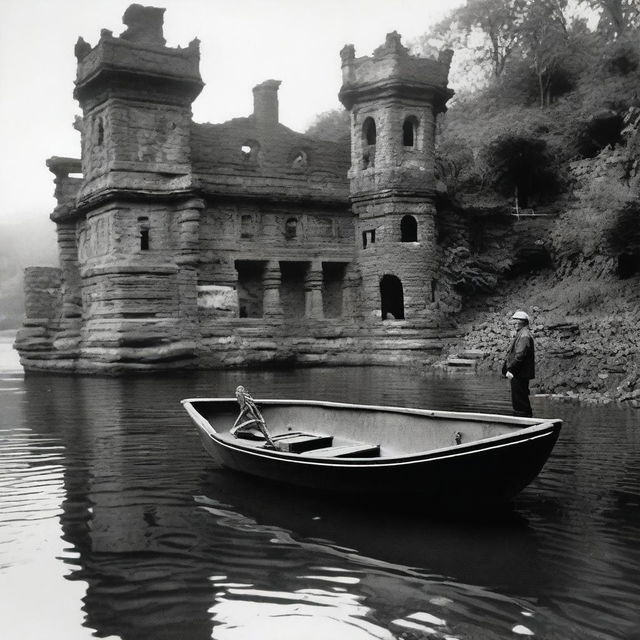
189	233
187	257
68	252
350	288
42	293
313	305
271	280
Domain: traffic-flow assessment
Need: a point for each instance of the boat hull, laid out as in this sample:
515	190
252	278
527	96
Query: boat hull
490	470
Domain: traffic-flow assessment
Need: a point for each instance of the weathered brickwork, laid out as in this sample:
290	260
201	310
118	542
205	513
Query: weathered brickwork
198	245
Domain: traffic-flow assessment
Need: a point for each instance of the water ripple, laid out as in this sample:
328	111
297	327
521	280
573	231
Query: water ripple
107	498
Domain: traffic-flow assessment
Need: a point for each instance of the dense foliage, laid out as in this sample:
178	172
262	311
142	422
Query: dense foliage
559	84
331	125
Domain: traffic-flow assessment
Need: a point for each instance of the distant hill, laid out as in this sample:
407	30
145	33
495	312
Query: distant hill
30	241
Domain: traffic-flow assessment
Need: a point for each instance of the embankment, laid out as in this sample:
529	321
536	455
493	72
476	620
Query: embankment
587	333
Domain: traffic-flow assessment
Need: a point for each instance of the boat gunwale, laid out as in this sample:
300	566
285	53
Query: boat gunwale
475	416
546	427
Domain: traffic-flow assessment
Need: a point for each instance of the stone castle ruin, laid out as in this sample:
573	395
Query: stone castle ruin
210	245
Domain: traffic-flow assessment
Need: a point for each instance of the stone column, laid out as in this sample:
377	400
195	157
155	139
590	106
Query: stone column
189	233
350	287
68	253
271	280
313	304
187	257
42	293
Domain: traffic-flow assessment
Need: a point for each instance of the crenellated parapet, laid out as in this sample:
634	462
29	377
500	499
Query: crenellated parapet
138	54
136	95
392	71
394	99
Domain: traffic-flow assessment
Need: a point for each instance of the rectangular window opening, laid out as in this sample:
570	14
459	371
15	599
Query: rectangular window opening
144	239
368	237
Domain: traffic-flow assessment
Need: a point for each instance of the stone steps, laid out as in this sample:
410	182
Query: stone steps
467	359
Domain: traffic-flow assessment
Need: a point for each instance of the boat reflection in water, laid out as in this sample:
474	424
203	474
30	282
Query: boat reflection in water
163	544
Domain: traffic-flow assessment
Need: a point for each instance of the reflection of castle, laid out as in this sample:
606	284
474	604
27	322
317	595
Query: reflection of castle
196	244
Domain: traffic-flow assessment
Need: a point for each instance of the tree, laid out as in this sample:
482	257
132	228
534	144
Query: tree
544	41
521	167
333	125
498	21
617	17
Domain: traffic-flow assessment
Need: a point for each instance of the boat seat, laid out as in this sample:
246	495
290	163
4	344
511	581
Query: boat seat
358	450
288	434
301	442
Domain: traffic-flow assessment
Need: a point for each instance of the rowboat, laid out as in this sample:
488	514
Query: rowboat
441	457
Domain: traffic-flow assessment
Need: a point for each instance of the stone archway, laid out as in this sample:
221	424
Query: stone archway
391	297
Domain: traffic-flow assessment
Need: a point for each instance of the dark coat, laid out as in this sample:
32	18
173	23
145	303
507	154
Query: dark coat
520	358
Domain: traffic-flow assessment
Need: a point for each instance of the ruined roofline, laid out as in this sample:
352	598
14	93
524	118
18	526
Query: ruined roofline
279	129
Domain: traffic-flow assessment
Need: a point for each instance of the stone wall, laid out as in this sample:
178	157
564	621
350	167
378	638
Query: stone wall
240	343
42	300
43	314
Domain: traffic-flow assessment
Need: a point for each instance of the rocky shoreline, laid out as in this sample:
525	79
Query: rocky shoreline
592	356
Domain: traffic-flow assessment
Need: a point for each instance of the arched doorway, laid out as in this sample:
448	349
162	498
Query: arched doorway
391	297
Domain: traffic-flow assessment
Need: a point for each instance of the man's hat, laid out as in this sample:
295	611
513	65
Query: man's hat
520	315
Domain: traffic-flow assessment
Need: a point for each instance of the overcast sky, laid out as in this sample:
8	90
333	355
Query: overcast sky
243	42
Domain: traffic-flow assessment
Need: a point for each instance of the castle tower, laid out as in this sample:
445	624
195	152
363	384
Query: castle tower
136	216
394	99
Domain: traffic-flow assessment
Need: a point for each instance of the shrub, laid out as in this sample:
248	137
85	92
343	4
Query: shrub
522	166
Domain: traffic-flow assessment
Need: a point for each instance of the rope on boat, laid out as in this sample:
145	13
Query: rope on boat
249	410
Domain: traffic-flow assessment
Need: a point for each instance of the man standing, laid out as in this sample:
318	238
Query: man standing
519	365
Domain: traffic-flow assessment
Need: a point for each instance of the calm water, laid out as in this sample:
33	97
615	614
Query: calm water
114	523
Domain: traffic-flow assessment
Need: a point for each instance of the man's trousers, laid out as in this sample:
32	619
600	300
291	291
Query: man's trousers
520	397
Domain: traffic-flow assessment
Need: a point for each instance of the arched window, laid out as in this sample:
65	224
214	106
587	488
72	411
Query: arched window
143	225
410	132
299	160
408	229
291	228
391	298
369	131
368	143
249	151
